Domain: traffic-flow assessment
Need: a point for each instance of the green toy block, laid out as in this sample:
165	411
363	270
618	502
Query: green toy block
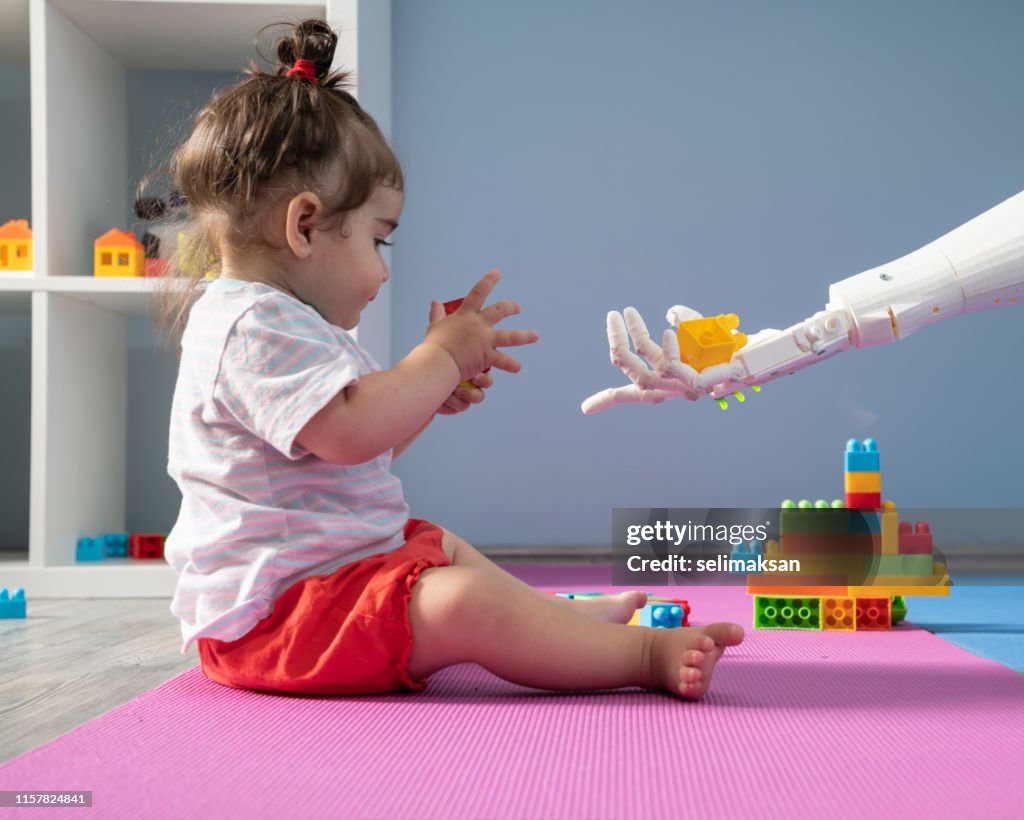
786	613
898	609
818	517
890	565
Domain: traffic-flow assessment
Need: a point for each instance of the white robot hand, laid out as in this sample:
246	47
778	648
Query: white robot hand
656	373
771	353
977	266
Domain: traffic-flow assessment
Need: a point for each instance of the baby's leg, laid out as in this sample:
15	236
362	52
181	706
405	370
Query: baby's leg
461	614
616	609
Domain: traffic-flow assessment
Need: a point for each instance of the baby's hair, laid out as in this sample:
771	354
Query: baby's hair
267	138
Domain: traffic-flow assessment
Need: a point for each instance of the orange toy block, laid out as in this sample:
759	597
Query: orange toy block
708	341
838	614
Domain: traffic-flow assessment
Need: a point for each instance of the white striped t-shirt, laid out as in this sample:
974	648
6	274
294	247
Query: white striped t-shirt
259	512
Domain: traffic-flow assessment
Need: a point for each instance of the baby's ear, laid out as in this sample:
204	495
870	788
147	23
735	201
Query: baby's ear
304	213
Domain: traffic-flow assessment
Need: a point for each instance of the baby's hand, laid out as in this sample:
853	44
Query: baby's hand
468	334
466	395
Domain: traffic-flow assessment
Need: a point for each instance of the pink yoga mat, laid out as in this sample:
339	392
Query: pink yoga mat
898	724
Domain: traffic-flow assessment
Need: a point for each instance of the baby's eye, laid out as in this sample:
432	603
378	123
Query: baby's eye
385	243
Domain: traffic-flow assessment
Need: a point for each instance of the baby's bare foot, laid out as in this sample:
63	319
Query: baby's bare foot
616	609
685	658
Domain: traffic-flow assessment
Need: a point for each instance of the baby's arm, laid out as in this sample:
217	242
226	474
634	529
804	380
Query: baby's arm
385	409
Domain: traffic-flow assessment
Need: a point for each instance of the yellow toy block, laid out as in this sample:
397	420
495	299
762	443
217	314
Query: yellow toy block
839	614
16	245
709	341
188	263
890	529
778	586
906	587
118	253
863	482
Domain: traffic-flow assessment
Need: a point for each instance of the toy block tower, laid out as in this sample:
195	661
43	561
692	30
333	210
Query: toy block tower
118	253
863	477
857	561
16	245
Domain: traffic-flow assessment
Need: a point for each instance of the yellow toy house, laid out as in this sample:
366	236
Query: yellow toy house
16	245
118	253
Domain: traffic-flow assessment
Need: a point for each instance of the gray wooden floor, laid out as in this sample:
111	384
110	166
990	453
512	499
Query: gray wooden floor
72	660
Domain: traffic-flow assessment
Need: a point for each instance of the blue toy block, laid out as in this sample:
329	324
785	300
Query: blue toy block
667	616
862	458
12	606
115	544
90	549
748	552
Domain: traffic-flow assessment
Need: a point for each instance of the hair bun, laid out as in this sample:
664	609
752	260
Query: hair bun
311	40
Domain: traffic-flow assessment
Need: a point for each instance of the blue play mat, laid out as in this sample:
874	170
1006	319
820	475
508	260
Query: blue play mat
985	620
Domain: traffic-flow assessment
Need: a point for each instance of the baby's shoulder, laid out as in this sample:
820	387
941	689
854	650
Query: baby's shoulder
229	305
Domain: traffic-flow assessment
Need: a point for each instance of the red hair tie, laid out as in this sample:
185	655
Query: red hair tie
304	70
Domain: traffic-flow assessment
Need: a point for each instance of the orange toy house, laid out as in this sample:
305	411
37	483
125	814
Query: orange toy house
16	245
118	253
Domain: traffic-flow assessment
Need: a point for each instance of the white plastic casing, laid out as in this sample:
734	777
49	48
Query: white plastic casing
978	266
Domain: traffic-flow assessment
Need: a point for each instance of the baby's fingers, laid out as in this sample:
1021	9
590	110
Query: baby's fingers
500	310
483	380
503	361
515	338
478	294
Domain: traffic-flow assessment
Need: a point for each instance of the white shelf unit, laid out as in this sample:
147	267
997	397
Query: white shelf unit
85	330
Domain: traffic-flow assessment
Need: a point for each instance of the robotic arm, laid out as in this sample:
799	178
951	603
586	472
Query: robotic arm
978	266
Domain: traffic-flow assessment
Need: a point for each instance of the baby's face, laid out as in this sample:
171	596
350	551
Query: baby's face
351	266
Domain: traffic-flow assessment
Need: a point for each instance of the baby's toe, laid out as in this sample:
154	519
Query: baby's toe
724	634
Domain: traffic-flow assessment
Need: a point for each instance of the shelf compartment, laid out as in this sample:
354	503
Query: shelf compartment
169	34
15	420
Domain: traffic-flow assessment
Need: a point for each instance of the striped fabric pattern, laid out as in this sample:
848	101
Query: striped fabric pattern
258	511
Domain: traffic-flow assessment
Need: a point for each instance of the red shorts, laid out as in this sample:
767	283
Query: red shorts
342	634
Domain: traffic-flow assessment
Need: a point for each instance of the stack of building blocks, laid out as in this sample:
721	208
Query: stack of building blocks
12	606
15	246
137	545
118	253
839	543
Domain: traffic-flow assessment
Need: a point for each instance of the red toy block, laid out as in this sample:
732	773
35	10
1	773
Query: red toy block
145	546
874	613
156	267
864	501
915	540
449	309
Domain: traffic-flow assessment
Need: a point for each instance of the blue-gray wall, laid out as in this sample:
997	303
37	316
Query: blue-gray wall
729	156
